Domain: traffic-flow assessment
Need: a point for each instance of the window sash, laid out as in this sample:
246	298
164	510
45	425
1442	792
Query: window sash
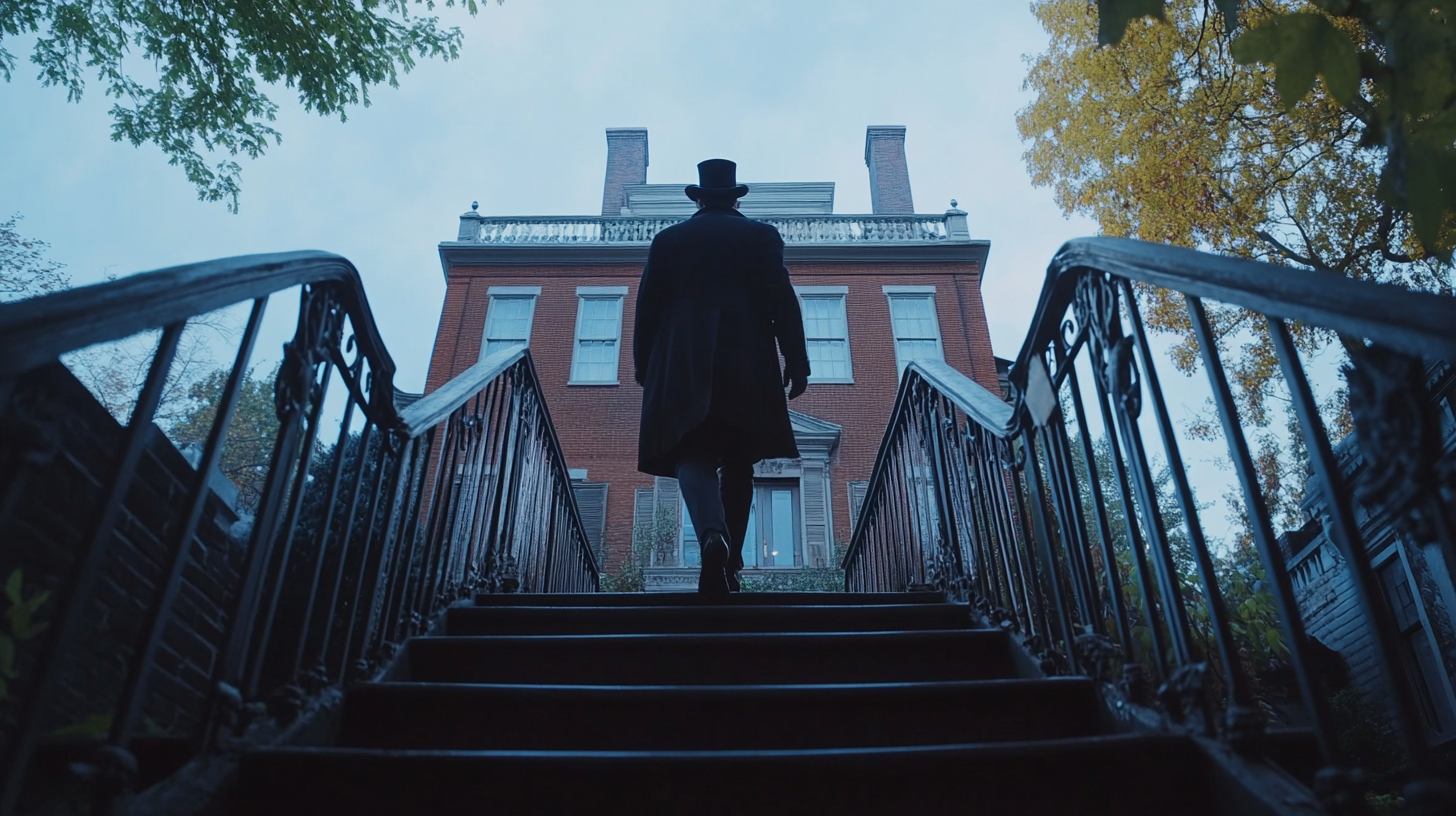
826	336
916	328
598	339
508	322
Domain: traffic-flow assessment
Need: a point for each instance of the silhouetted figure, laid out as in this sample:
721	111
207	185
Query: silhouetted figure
714	298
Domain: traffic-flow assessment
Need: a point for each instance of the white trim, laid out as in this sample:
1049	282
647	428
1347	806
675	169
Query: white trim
919	289
617	294
840	293
513	291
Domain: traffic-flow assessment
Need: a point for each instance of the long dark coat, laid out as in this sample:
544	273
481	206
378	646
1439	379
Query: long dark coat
714	298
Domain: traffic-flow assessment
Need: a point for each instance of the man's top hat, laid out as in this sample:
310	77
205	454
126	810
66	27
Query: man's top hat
716	177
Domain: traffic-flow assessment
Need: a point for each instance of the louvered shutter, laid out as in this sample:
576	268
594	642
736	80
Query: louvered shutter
856	500
668	498
591	497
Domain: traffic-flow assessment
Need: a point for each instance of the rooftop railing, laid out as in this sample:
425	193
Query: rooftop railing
806	229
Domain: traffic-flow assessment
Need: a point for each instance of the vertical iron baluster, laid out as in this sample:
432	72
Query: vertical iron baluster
290	523
376	568
1026	539
1263	532
1239	693
1067	502
1147	587
75	599
346	545
159	614
401	605
949	535
1344	532
326	520
1042	534
1104	528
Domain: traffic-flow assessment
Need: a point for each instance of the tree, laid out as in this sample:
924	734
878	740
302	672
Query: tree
1181	135
250	437
24	269
1389	68
195	88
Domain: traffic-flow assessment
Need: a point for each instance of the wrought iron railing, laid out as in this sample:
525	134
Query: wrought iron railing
1004	504
798	229
347	551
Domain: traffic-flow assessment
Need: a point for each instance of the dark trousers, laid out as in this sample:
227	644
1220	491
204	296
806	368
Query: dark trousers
716	485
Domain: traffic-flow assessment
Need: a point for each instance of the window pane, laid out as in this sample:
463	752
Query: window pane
692	556
829	359
781	533
599	319
509	318
751	540
492	346
824	318
912	318
907	350
596	361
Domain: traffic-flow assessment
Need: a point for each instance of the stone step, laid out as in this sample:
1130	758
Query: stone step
1128	775
714	659
638	718
693	599
614	620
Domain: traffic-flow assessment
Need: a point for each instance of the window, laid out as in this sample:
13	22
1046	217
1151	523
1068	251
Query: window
826	332
914	324
774	539
598	335
508	321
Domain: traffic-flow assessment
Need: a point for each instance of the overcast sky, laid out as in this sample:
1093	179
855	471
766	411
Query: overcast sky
783	88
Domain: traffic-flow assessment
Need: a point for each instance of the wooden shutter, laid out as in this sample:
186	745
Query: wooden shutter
591	497
668	498
856	500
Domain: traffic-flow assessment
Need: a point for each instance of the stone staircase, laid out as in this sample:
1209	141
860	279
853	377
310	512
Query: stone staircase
772	703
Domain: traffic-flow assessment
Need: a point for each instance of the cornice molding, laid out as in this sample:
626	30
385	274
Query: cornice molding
461	253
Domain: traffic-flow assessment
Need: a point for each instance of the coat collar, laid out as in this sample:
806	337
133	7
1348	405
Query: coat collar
718	211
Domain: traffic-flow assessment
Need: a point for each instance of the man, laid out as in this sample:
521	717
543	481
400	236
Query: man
714	298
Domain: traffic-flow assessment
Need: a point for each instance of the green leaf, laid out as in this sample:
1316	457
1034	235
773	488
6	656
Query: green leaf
1114	15
1230	11
1431	192
1301	46
1274	639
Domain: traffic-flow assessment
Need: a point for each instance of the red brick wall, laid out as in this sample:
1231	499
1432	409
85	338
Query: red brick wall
598	424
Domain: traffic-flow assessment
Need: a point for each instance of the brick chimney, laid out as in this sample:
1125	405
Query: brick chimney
889	177
626	164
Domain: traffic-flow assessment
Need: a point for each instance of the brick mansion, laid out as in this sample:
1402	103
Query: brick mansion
877	290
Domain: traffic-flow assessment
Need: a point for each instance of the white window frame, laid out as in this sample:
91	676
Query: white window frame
494	293
842	294
583	294
914	291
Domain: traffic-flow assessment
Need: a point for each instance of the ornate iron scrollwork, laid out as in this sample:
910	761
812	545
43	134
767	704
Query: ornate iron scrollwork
1400	439
1095	305
1185	696
320	328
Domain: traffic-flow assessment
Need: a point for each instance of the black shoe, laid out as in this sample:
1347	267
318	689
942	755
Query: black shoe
712	579
735	563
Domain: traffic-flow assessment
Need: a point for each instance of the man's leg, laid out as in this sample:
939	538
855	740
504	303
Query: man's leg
735	488
697	478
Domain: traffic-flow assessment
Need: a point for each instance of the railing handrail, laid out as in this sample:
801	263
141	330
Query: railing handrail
1412	321
35	331
434	407
977	401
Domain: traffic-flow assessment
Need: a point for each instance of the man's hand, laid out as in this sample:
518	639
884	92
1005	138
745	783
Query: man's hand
796	382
